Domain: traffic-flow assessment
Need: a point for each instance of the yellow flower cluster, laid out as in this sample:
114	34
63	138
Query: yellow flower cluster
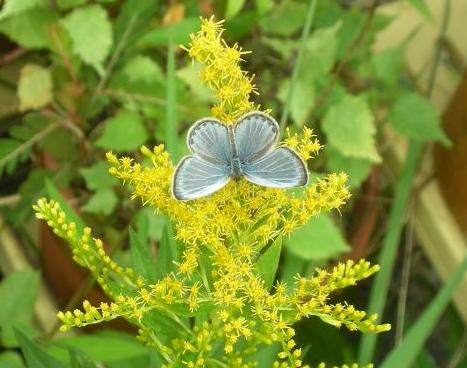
216	281
222	71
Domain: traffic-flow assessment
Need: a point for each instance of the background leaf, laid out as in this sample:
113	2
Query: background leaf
167	252
97	176
268	262
109	346
31	29
102	202
14	7
18	293
318	239
350	129
422	7
34	87
415	117
123	132
388	65
143	68
357	169
274	23
141	257
35	356
91	32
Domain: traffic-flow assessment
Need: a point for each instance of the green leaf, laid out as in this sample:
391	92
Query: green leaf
97	176
36	356
14	7
91	33
320	53
124	132
318	239
34	87
102	202
274	23
150	223
388	65
349	127
80	360
415	117
284	47
141	257
268	262
178	32
103	346
31	29
70	213
68	4
356	168
167	252
143	68
302	100
404	354
422	8
11	359
263	6
7	146
190	75
18	293
233	7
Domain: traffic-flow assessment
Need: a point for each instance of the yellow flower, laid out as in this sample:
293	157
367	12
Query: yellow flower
216	279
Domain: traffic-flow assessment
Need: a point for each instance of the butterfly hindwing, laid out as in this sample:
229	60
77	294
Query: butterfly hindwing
255	134
195	178
209	139
279	168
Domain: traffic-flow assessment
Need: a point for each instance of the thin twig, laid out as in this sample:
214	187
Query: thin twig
12	56
114	58
29	143
346	58
65	59
140	97
10	200
402	303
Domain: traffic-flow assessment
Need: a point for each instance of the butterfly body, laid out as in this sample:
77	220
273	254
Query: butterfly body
245	149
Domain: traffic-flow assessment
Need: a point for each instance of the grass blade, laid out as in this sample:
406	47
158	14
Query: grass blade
404	355
298	62
171	107
390	243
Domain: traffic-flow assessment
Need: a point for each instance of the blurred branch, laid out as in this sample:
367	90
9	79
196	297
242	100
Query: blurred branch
13	55
9	200
140	97
29	143
114	58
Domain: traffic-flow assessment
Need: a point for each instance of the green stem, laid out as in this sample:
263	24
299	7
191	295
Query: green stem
171	107
298	63
389	247
396	221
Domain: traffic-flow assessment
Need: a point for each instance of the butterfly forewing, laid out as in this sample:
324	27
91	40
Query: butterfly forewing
195	178
255	134
280	168
209	139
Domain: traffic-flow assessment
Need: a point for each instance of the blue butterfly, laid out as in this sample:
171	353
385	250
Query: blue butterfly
245	149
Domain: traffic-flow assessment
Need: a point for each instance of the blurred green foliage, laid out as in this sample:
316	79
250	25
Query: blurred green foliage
92	76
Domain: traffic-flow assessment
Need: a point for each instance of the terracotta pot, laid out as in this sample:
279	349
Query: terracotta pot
451	163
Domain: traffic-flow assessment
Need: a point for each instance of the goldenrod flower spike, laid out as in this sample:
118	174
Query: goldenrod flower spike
215	279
